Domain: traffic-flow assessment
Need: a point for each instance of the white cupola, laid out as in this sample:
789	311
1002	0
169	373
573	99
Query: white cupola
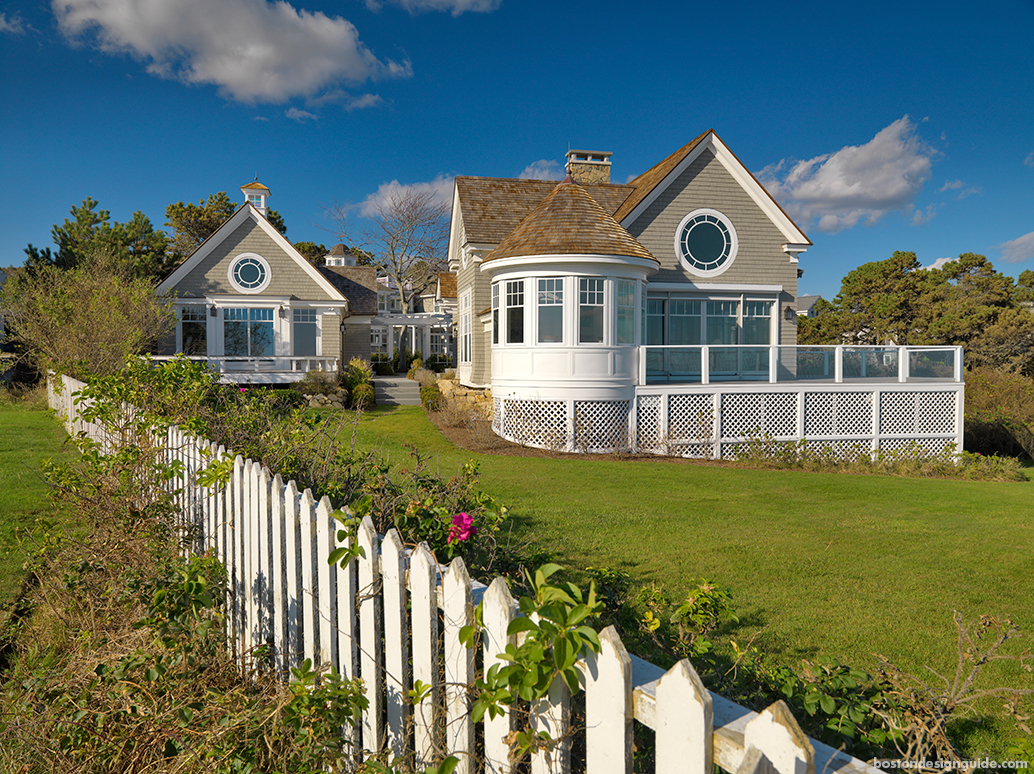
256	194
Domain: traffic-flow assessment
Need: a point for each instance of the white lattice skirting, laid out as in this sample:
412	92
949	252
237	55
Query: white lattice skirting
715	422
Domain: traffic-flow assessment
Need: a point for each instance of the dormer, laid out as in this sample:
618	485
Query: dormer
256	194
340	255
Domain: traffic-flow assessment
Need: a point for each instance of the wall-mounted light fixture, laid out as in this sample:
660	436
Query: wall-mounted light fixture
283	312
789	314
211	310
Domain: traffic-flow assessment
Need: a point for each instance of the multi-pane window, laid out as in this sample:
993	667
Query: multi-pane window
194	327
684	321
757	322
551	310
515	312
248	332
304	333
495	313
439	343
465	323
722	322
590	310
625	302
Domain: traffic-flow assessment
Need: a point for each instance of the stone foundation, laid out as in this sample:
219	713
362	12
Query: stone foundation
466	398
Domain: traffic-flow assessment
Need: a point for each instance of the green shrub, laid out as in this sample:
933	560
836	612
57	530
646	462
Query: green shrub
414	367
431	397
999	413
437	363
364	396
318	383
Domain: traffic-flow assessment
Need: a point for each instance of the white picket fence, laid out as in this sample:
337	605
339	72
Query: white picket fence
393	618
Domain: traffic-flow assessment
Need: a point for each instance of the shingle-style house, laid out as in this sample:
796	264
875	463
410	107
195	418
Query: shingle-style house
661	314
256	310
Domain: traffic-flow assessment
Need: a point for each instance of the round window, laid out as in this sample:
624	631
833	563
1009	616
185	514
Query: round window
249	273
705	242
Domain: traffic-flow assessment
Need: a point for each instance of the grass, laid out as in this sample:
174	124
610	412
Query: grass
834	565
28	433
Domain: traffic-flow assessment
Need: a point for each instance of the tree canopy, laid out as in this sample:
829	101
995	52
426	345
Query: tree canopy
965	302
135	246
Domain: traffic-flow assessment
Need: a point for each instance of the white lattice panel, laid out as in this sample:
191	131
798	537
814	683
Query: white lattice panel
601	424
745	413
647	418
541	423
690	417
898	413
497	416
700	451
932	446
831	413
937	412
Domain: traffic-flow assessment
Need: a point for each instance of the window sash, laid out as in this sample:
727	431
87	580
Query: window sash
551	310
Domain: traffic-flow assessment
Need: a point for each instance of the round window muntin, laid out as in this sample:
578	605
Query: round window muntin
706	266
240	273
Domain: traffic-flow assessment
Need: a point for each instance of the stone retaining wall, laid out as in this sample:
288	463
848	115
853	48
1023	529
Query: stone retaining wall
458	396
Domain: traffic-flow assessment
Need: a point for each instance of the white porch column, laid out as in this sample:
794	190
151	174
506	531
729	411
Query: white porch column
391	340
425	340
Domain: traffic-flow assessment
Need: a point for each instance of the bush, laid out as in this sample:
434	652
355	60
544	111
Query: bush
999	416
414	367
364	396
431	397
437	363
318	383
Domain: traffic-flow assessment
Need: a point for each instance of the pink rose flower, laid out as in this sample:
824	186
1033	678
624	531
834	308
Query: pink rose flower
462	528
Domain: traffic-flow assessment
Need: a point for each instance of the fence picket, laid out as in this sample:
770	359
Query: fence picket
370	636
423	579
396	635
265	571
347	631
458	609
306	513
237	544
496	615
250	554
327	582
552	715
292	575
608	707
685	722
279	524
775	733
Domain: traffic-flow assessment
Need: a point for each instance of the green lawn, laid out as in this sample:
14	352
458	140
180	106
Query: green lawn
27	435
835	565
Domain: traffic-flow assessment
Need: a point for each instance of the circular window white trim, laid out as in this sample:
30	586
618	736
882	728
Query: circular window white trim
231	273
731	249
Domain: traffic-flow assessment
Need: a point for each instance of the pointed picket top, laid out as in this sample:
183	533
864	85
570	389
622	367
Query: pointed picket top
685	730
776	734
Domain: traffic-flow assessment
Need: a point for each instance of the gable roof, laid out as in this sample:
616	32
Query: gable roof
569	221
246	212
356	283
653	177
494	206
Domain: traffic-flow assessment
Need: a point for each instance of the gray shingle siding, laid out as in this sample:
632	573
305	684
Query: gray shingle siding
760	259
355	342
210	276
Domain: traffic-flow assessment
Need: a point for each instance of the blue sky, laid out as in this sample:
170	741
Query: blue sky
879	127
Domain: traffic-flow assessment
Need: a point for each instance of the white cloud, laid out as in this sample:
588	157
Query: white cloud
543	169
440	189
858	182
921	217
1018	250
1029	161
363	101
14	25
301	116
938	264
951	185
253	50
455	7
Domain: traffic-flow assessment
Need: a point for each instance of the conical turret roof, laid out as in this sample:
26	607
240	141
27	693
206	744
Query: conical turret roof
569	222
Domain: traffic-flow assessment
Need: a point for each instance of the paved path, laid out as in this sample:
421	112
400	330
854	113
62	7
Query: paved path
396	391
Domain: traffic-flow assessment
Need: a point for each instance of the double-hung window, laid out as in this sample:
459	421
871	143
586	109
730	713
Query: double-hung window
515	312
465	326
304	333
551	310
495	313
590	310
194	330
625	303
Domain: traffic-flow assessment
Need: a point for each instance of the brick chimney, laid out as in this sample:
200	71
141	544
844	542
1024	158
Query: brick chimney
589	167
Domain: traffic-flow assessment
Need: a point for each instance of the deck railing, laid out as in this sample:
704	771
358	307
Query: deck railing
776	364
227	364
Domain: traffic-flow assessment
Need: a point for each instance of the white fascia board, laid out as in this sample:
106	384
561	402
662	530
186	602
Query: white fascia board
229	226
519	261
231	300
739	173
712	287
456	235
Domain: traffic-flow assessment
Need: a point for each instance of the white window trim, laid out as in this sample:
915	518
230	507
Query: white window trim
733	247
237	259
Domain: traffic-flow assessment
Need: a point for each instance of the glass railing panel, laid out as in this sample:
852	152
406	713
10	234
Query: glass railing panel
814	363
871	364
936	364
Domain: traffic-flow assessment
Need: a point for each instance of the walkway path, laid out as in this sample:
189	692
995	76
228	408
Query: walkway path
396	391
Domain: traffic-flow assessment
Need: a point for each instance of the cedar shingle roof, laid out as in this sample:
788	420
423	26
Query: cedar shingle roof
569	221
652	177
257	186
493	206
447	284
356	283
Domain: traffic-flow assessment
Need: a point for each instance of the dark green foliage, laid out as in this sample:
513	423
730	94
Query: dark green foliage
999	413
431	397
